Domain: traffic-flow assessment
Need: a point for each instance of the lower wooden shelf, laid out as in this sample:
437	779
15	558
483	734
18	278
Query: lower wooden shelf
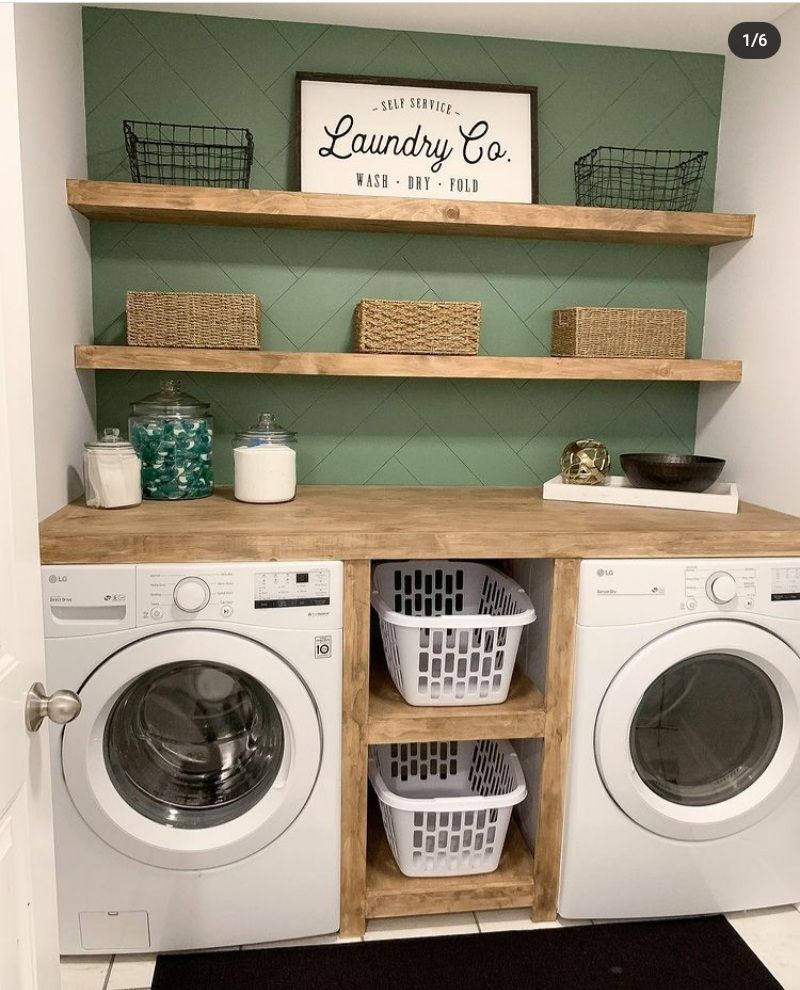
391	894
392	720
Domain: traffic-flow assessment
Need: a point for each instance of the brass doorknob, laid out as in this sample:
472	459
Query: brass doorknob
60	707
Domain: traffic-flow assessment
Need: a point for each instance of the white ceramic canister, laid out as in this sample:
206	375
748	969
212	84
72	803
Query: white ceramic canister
264	463
112	472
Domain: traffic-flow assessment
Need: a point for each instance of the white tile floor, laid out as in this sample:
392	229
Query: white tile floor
774	936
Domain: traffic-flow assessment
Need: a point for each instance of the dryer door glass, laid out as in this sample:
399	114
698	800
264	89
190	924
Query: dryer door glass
193	745
706	729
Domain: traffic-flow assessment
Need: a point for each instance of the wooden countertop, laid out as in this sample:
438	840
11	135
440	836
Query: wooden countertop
355	522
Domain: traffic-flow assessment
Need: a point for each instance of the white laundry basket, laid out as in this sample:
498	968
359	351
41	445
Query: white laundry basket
446	805
450	630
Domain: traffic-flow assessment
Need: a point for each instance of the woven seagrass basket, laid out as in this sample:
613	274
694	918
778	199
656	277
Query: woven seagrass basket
193	319
602	331
394	326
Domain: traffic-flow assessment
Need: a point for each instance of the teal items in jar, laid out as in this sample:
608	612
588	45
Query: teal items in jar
173	434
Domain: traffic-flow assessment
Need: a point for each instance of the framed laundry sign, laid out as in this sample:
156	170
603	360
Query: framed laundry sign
382	136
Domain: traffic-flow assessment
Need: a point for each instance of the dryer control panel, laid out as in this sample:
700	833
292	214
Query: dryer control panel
623	592
785	584
710	585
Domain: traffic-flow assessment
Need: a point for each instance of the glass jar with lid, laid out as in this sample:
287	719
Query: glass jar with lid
173	433
112	472
264	462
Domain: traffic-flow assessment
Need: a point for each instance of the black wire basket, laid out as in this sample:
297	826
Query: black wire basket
639	178
189	154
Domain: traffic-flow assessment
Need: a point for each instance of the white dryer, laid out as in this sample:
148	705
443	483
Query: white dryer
197	793
684	765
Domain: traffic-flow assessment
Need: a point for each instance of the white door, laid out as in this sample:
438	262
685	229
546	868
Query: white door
203	730
28	919
698	735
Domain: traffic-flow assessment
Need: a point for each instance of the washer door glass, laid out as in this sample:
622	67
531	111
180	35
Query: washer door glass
194	744
706	729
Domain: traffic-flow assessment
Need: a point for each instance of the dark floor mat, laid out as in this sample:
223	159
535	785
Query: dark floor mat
685	954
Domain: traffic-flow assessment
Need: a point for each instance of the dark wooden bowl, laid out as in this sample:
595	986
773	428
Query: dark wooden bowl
675	472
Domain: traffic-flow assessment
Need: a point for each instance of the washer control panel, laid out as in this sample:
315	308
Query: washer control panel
277	594
87	599
292	588
168	595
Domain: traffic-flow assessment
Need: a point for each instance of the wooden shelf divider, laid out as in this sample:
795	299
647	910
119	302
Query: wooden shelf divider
392	720
124	358
131	201
355	678
391	894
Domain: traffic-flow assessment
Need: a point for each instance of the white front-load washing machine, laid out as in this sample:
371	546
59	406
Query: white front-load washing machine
684	764
197	793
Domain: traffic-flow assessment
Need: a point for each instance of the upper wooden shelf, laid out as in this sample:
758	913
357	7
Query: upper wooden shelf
123	358
320	211
392	720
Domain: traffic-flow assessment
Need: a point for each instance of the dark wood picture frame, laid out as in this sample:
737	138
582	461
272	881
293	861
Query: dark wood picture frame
531	91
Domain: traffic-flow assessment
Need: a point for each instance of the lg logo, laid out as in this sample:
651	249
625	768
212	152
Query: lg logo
57	578
605	572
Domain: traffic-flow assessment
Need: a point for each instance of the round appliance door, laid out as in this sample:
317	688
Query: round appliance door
193	749
698	735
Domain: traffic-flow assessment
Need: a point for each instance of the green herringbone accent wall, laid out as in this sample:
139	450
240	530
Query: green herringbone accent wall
190	69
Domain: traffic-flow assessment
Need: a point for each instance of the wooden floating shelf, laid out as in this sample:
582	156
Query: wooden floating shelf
391	894
123	358
130	201
392	720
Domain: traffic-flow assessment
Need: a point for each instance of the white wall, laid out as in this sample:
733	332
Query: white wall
754	287
52	128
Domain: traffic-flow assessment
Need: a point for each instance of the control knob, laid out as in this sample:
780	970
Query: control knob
721	587
191	594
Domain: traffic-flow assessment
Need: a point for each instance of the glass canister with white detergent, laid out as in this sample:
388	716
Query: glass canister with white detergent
264	462
173	433
112	472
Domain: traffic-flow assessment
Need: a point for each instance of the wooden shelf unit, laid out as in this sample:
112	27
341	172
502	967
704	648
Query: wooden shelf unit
392	720
391	894
123	358
130	201
522	879
361	526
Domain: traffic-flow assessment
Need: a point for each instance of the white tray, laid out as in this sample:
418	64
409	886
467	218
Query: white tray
721	497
